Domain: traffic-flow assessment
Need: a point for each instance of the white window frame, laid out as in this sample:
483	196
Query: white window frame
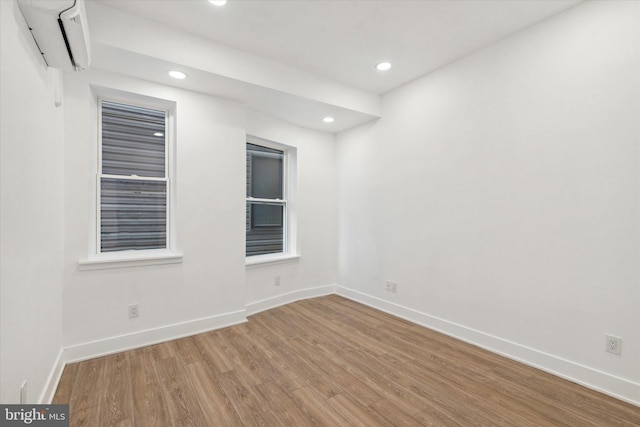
289	178
97	259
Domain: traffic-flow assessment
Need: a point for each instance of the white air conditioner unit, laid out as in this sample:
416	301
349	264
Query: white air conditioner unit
60	30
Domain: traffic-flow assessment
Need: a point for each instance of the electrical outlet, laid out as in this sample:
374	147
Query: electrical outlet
134	311
613	344
23	393
277	281
392	287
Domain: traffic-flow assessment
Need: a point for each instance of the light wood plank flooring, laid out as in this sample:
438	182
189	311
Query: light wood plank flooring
325	362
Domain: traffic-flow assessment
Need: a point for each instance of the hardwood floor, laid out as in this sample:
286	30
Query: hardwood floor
325	362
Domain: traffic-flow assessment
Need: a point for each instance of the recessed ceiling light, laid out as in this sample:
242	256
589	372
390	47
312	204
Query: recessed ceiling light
328	120
158	134
218	2
383	66
177	74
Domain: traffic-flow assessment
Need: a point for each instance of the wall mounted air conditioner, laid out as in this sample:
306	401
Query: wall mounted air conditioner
60	30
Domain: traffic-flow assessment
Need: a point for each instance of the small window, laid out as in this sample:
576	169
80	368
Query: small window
133	188
266	208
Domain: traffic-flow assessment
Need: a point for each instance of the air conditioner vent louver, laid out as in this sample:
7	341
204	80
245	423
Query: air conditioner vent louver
59	28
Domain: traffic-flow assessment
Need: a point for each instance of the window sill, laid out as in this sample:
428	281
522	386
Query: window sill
263	260
129	259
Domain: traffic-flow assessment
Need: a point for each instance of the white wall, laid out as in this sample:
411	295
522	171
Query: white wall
315	272
31	216
502	194
207	289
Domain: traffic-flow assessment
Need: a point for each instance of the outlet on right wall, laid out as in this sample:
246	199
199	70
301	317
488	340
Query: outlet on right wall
502	194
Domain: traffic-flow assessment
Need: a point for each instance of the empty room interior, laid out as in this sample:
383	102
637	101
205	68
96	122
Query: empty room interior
321	212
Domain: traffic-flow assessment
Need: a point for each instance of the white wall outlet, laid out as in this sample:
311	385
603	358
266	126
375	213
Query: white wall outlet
134	311
613	344
392	287
277	281
23	393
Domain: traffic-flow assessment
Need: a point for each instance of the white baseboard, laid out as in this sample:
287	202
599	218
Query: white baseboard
611	385
53	379
93	349
269	303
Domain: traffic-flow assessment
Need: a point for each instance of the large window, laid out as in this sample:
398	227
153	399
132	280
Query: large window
266	208
133	179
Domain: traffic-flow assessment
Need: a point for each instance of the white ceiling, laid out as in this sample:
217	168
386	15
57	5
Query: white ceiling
343	40
301	60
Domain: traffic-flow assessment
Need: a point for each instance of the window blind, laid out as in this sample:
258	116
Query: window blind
133	141
133	184
265	216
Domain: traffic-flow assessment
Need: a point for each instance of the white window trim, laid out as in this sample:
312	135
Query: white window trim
270	259
169	255
130	259
290	253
